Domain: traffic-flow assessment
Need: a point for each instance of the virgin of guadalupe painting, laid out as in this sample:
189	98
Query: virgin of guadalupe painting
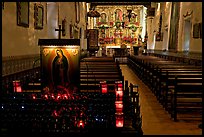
60	67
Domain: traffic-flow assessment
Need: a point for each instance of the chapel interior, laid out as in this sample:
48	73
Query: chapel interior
101	68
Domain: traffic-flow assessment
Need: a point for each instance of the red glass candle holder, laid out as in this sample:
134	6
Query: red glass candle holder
119	120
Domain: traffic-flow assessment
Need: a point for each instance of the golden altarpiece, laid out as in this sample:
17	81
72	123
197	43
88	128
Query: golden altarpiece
119	25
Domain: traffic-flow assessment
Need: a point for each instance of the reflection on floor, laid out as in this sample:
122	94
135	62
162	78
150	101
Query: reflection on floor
155	120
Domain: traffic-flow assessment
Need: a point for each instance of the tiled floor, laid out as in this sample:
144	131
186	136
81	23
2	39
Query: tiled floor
155	120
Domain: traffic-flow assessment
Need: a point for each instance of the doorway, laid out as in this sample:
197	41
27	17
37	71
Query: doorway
187	33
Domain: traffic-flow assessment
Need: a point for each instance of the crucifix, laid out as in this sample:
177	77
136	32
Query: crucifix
60	30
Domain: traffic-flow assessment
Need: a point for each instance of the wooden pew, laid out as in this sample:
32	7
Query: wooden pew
186	97
160	75
95	70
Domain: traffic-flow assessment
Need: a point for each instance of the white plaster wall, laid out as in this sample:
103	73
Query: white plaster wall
166	23
196	17
151	35
18	40
52	20
165	9
67	10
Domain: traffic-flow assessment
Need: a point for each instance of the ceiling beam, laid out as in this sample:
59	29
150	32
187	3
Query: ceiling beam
94	4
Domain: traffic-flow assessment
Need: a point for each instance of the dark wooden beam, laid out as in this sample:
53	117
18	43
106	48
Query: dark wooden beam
146	4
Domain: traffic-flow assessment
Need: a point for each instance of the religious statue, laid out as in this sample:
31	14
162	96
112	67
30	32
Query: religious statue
118	15
103	17
60	69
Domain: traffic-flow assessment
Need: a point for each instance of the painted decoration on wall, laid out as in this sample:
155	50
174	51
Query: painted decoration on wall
93	39
38	16
23	14
60	68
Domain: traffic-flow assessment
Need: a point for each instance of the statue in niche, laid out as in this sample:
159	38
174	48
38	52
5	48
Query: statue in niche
103	17
118	15
133	17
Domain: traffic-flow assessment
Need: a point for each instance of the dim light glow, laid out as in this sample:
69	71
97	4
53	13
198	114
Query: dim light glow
158	8
104	90
119	122
103	87
17	86
65	96
53	97
46	96
119	93
58	96
34	97
81	124
119	104
118	86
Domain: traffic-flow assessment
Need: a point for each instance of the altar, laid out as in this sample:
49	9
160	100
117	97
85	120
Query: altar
118	27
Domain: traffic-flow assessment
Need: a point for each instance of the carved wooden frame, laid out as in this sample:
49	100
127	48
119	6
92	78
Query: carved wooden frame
38	16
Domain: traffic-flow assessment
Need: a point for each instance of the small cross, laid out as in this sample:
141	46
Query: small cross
60	30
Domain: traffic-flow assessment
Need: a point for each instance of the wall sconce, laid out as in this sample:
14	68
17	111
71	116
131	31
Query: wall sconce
166	27
187	14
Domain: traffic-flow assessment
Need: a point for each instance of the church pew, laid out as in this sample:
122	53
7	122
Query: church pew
95	70
186	97
163	75
152	68
151	72
168	86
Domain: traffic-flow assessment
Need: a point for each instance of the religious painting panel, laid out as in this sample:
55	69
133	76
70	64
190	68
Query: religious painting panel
60	68
93	39
38	16
23	14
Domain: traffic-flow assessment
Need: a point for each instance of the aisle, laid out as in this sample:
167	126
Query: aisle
155	120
